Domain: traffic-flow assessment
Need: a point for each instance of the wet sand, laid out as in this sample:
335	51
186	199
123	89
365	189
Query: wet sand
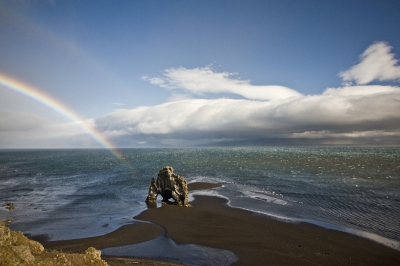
255	239
125	235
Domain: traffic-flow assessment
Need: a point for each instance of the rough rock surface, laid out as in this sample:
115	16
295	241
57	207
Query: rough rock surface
9	206
16	249
170	186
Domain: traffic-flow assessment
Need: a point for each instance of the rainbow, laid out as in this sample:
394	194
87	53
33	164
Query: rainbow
60	108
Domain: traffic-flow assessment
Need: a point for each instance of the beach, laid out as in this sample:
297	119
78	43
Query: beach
255	239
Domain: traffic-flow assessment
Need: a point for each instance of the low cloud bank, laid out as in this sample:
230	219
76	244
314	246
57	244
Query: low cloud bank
339	113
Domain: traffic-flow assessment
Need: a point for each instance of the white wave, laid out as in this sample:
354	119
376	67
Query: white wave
260	195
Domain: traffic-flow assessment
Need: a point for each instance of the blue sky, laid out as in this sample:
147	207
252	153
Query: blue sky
108	59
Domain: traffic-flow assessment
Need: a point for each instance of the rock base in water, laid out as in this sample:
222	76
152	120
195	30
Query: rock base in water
170	186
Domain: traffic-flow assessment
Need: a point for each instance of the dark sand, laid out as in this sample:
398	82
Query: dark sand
201	186
125	235
255	239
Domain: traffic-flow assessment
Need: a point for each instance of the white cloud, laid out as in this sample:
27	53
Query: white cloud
199	81
376	63
341	112
156	81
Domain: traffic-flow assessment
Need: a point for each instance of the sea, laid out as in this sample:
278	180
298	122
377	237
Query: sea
75	193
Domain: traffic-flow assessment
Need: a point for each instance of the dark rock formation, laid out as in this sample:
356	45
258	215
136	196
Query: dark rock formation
169	186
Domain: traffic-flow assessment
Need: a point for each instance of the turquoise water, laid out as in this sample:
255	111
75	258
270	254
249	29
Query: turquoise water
77	193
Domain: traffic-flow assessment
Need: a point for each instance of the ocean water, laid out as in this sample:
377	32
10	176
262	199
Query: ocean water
68	194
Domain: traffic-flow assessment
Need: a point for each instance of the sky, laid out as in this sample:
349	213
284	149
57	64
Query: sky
90	74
